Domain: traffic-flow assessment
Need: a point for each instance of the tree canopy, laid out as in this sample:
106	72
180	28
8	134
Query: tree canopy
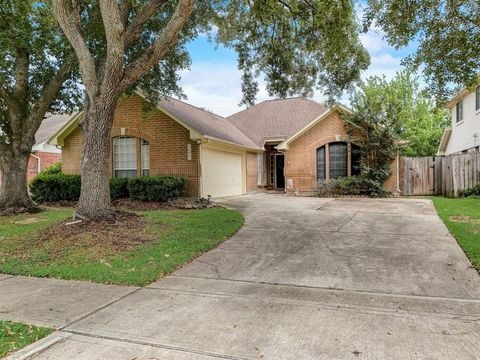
446	33
296	45
37	70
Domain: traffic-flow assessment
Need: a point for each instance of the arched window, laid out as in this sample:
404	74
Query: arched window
321	172
338	159
124	156
145	158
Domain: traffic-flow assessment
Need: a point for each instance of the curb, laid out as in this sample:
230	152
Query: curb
39	346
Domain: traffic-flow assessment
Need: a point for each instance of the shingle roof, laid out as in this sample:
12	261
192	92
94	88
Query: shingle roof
276	118
50	126
205	122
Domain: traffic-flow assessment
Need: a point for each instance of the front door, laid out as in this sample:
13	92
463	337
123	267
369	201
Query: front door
279	171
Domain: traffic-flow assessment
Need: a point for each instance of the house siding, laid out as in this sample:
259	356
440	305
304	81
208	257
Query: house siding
168	143
301	155
465	134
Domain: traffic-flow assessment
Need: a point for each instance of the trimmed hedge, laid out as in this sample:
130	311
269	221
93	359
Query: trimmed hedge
63	187
156	188
56	187
118	188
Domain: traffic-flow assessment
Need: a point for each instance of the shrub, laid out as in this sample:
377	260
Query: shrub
63	187
53	169
118	188
156	188
354	185
471	191
56	187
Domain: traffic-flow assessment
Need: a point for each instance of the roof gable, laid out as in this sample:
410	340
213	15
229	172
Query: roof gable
337	108
50	126
278	119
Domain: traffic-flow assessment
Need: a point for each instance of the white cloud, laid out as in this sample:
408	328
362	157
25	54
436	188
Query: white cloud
216	87
373	41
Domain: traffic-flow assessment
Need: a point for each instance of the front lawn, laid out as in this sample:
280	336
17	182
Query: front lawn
135	253
462	218
15	336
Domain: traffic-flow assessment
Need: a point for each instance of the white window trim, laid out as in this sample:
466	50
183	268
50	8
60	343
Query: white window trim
115	155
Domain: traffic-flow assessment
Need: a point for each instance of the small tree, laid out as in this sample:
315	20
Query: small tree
413	115
373	126
35	64
123	44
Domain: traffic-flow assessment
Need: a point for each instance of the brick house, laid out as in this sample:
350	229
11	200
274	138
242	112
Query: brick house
284	145
43	154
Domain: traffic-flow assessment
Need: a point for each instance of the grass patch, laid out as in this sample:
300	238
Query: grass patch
462	218
174	238
15	336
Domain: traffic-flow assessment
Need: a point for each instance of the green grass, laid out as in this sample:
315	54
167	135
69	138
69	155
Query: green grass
462	218
15	336
179	236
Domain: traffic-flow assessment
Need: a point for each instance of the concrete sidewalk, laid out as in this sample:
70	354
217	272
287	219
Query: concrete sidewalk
305	278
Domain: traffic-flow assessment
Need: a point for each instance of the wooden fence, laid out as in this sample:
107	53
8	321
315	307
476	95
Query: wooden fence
441	175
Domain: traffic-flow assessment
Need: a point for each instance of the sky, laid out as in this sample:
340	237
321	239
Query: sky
214	83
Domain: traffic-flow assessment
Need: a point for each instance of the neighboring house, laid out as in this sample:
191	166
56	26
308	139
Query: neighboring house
286	145
464	135
43	154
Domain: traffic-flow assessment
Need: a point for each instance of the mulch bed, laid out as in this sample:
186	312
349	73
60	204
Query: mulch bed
94	239
135	205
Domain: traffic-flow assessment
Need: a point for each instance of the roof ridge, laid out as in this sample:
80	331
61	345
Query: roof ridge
196	107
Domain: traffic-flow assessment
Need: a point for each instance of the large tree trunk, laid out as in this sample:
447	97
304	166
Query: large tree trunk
13	189
95	191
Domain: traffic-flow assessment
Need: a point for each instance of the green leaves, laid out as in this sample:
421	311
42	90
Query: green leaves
386	112
297	45
447	34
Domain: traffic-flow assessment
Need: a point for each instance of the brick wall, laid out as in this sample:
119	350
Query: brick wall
47	159
168	143
252	171
301	156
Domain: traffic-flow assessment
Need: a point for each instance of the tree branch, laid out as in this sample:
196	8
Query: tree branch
69	21
7	97
125	9
134	31
48	94
169	38
22	64
112	22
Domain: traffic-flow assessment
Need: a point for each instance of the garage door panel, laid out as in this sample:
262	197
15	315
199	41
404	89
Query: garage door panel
221	173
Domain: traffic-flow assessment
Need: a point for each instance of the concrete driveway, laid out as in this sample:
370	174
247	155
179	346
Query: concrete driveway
305	278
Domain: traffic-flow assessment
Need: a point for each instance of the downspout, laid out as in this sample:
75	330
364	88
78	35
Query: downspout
39	168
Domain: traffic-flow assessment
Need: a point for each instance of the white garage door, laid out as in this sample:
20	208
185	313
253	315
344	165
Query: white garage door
221	173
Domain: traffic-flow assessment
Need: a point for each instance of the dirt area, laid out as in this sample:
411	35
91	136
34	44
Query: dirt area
135	205
182	203
464	219
93	239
